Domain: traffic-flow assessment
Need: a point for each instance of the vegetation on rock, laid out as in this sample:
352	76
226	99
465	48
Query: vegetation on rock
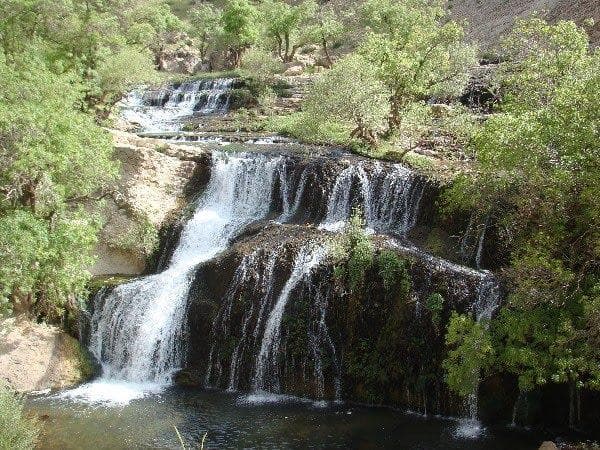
537	178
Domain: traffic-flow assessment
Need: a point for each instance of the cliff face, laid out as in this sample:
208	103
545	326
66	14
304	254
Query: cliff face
154	184
489	20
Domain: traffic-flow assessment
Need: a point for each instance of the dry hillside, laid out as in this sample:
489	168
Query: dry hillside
489	19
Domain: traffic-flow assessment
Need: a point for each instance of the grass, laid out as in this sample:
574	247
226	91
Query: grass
17	432
182	442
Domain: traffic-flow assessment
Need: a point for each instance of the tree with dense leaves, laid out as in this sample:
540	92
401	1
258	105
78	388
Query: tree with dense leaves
241	28
537	178
53	159
350	93
287	25
418	52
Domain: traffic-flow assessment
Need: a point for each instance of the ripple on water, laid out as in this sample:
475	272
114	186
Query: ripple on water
469	429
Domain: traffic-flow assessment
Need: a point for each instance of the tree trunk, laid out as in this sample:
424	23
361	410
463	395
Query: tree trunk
327	55
287	48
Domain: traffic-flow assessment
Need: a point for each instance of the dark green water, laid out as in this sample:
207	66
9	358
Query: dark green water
234	421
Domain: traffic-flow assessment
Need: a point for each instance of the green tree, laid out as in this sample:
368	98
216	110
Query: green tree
241	27
53	160
417	50
351	94
206	26
91	39
470	352
537	178
326	30
288	25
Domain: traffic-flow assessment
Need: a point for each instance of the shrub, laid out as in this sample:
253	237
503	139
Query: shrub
392	269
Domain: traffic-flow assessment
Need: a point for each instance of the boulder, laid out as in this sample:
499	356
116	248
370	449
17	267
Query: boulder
154	183
178	55
36	357
548	445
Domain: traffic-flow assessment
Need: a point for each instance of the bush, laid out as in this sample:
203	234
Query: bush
16	431
309	129
260	65
351	94
392	269
241	98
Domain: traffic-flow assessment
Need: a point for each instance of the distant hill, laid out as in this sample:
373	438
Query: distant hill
488	20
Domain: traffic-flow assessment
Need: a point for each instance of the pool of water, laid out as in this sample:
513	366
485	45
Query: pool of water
237	421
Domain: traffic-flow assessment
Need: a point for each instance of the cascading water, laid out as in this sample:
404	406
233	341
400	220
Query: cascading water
486	304
165	109
137	330
266	376
389	198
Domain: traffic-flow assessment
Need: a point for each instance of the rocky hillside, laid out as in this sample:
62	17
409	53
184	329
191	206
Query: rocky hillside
488	20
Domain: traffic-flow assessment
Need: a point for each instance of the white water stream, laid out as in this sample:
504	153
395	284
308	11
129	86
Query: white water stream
138	330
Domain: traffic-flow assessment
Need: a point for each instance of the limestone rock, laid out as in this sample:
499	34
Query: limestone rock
178	55
35	356
151	189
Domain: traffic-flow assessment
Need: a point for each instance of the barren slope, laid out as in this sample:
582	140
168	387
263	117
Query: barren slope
489	19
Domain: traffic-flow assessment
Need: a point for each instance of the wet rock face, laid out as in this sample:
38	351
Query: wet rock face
376	343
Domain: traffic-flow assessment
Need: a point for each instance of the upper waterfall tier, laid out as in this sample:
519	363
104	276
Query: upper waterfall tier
166	108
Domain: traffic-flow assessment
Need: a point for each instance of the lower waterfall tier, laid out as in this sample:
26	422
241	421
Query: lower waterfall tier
379	341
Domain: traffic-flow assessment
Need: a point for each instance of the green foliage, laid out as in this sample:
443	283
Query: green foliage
16	431
240	21
206	26
361	259
435	305
392	270
141	237
53	158
307	128
537	175
470	352
260	66
351	95
287	25
416	50
93	41
410	53
327	30
354	250
542	57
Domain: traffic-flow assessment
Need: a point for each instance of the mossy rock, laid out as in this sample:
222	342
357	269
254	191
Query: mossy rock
242	98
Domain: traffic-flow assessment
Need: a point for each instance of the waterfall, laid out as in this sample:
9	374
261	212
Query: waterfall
275	324
215	94
389	198
137	330
484	307
267	369
165	109
472	242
